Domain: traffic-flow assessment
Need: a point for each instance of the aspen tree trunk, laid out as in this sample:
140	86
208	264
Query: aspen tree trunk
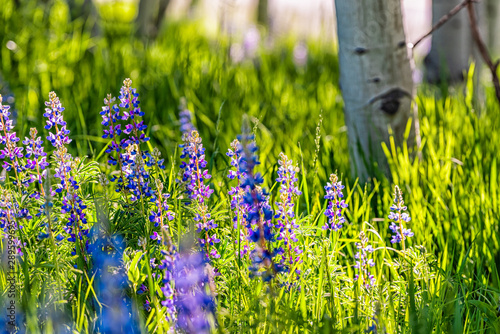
451	45
150	16
375	78
493	13
262	13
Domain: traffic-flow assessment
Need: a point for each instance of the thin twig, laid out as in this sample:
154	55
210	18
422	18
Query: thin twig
483	50
442	21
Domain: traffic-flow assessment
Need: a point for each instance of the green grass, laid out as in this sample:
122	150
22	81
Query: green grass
446	281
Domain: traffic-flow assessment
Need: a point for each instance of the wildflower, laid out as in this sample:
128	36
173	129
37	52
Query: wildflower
36	159
185	119
300	54
286	222
194	175
259	213
236	193
9	139
363	263
72	204
167	266
129	102
110	285
398	215
195	306
335	204
8	213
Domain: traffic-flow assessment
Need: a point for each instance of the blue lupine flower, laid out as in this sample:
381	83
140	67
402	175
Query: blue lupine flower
185	119
259	214
399	216
194	176
168	301
9	139
363	263
195	306
9	211
36	161
285	215
239	207
335	204
110	285
72	205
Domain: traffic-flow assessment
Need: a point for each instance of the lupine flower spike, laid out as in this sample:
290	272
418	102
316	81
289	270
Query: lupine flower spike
9	139
195	175
194	304
36	160
73	205
363	263
335	204
259	215
398	215
285	215
238	206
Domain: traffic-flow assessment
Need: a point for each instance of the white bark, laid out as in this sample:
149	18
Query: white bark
452	44
375	78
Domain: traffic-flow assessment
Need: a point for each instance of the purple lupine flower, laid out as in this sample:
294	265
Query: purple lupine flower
168	300
236	194
185	119
110	118
134	177
72	205
193	301
110	285
363	263
300	54
55	120
259	213
129	102
335	204
195	175
285	216
36	160
251	41
9	139
9	213
398	215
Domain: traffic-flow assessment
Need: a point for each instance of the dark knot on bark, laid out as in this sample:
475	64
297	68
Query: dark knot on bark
391	100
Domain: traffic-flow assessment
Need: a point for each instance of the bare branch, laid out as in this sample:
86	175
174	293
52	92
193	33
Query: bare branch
442	21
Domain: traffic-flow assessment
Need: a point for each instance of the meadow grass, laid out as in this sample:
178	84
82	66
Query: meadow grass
445	280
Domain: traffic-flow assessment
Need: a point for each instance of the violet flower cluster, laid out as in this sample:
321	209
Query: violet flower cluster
285	215
110	285
195	176
160	216
238	206
363	263
398	215
193	301
9	139
36	161
259	214
8	217
134	177
185	120
335	204
72	205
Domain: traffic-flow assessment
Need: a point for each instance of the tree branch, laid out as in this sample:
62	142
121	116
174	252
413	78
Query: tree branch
442	21
482	49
